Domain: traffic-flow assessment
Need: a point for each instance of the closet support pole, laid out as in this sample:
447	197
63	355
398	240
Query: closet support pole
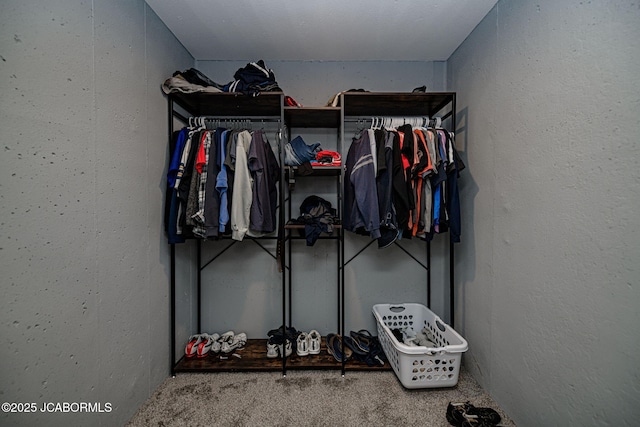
428	274
173	310
451	249
199	267
173	266
341	283
451	284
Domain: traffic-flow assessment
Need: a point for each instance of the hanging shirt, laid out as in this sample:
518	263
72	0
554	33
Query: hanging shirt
242	188
221	179
265	174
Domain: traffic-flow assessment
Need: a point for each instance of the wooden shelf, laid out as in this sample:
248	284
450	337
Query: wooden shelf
227	104
254	358
317	171
312	117
395	104
301	226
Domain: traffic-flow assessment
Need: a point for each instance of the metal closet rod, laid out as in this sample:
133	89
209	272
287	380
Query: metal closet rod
246	118
353	119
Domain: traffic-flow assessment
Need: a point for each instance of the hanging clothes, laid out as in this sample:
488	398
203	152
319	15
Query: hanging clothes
220	182
410	173
361	212
265	174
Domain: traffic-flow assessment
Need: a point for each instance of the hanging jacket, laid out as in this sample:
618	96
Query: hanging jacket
361	214
265	174
171	203
453	195
242	188
399	185
222	180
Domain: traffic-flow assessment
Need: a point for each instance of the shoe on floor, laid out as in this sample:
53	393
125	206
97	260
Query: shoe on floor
302	344
315	339
286	349
279	344
467	415
282	333
233	343
192	345
350	343
215	345
334	348
362	339
205	345
272	349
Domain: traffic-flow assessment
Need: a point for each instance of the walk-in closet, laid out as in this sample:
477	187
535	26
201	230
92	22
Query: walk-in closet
530	300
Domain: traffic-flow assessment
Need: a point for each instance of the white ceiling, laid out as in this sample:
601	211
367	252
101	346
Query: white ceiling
321	30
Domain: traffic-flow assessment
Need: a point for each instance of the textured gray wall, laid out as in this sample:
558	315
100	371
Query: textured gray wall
84	309
548	100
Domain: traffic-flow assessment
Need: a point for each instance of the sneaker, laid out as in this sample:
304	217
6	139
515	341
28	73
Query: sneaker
235	342
315	339
282	333
302	344
205	345
192	345
216	344
272	349
288	348
350	343
334	348
465	414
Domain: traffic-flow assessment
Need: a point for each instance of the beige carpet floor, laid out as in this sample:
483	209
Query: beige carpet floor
303	398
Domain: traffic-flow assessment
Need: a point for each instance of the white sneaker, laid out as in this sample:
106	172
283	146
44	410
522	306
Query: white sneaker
315	339
287	349
235	342
215	345
192	345
272	350
205	345
302	344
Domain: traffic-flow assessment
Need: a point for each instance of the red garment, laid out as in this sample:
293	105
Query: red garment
321	156
200	156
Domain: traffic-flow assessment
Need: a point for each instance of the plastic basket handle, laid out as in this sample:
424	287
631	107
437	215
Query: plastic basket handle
397	308
435	353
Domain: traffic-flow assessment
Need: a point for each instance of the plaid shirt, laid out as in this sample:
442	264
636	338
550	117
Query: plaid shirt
201	166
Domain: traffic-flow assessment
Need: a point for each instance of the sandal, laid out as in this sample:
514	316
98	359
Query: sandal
355	348
334	348
362	339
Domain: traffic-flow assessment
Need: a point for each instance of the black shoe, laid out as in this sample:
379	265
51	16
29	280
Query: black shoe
465	414
290	334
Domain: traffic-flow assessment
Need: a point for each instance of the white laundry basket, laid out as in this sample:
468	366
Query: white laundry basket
418	366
